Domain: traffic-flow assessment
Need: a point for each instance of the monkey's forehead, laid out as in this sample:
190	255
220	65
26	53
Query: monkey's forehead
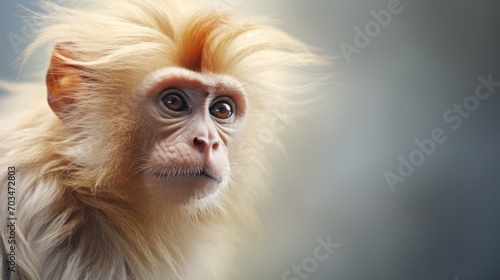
181	77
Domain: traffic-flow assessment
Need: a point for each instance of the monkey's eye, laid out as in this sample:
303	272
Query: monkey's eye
222	109
175	102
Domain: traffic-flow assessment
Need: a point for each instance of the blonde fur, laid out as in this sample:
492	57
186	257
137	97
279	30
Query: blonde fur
76	211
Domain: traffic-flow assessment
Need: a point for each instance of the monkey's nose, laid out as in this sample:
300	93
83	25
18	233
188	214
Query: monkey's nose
201	143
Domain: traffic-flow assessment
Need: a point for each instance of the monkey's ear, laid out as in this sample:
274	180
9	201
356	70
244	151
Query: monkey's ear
63	80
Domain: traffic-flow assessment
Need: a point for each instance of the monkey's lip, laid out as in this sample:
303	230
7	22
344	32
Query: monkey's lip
202	173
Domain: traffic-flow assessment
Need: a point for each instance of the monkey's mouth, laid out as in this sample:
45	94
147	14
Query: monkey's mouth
179	175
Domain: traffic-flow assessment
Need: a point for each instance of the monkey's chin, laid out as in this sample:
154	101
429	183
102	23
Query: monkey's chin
186	189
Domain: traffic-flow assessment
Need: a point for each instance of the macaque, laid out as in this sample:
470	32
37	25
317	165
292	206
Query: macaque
138	166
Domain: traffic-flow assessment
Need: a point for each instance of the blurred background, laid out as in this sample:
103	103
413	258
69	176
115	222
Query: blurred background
339	189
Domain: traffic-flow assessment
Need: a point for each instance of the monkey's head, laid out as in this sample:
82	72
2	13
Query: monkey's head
167	99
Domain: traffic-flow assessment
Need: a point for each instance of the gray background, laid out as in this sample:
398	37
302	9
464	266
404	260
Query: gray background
443	221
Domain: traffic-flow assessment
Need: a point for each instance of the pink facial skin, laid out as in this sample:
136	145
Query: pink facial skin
186	149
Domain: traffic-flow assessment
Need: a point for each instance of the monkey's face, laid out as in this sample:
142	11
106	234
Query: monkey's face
189	120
